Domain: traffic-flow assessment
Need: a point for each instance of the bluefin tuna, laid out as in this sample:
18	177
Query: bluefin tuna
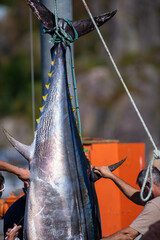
61	199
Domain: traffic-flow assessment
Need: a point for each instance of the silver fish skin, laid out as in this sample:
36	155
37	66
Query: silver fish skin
59	200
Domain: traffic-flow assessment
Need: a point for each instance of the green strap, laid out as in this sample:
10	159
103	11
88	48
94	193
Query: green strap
75	93
61	36
55	12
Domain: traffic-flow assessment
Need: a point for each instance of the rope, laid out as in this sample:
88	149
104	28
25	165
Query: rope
147	176
32	69
56	13
156	155
75	93
149	169
61	36
119	75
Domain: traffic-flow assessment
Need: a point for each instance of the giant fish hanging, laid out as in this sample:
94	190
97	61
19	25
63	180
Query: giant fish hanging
61	199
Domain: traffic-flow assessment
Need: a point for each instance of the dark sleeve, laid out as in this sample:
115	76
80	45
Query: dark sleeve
153	233
14	214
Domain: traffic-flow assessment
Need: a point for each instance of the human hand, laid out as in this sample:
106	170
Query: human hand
24	175
12	233
103	172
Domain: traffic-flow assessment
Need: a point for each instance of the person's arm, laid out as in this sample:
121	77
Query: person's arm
12	233
130	192
125	234
22	173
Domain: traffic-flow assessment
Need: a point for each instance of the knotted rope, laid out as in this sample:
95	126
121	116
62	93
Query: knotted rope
61	36
59	33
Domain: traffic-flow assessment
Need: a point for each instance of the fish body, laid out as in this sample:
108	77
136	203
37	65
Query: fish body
59	197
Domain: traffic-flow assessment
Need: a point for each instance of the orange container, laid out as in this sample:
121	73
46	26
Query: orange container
117	212
11	199
6	203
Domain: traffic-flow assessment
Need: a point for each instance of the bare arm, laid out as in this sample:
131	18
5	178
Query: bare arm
22	173
11	234
125	234
130	192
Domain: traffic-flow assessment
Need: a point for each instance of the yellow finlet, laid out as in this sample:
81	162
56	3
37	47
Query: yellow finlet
44	97
73	109
71	97
37	120
47	85
55	52
50	74
80	134
69	85
41	108
35	132
52	62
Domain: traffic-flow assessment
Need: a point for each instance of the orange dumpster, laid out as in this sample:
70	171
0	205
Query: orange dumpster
116	210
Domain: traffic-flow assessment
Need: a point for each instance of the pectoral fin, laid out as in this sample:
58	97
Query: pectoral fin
96	176
25	150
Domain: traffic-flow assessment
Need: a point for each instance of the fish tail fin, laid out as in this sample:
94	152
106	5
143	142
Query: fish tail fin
85	26
82	27
24	150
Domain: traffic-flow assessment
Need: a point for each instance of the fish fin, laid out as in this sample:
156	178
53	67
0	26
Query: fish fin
86	25
82	26
96	176
42	13
116	165
25	150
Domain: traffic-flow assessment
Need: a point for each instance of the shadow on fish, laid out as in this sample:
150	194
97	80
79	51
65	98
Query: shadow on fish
61	200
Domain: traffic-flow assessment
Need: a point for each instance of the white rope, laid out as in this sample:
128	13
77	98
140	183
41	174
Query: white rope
156	152
32	69
119	75
156	155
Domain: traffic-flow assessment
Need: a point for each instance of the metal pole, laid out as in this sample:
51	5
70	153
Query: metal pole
64	11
